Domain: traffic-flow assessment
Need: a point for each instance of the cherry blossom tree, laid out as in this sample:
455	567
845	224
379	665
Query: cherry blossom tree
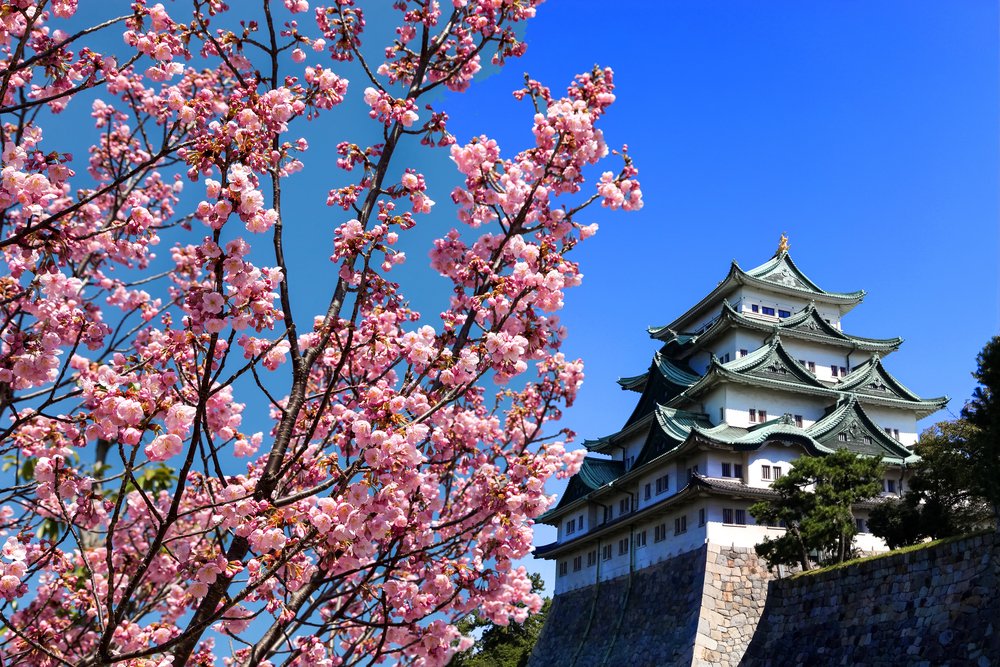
404	456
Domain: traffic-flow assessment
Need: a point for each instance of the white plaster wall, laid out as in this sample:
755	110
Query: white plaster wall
904	420
824	357
699	361
715	459
715	401
739	400
651	480
585	577
631	446
773	454
747	296
746	340
865	541
654	552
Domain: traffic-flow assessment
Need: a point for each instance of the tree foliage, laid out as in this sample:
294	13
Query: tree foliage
983	413
814	505
500	645
390	488
941	499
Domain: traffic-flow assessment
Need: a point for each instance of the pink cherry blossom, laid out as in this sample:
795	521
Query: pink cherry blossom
212	442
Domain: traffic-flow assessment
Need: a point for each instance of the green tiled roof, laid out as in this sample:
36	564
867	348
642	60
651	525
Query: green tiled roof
677	374
779	274
781	270
771	366
593	474
805	324
871	379
863	436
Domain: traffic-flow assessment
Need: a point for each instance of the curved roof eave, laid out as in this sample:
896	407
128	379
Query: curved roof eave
738	276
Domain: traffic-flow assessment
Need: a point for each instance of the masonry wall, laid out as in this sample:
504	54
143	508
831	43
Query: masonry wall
697	608
934	606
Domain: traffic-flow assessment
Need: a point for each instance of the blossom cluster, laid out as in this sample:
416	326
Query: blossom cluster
200	468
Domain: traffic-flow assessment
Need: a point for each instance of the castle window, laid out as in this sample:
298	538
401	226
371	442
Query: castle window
606	552
754	308
623	546
888	431
722	414
895	433
578	563
777	472
732	470
571	526
625	505
647	492
833	371
860	525
798	420
762	416
765	473
802	362
753	415
608	513
662	484
563	567
812	366
842	437
743	353
701	517
660	532
680	525
591	557
868	440
784	313
843	370
767	310
640	539
735	517
629	462
890	486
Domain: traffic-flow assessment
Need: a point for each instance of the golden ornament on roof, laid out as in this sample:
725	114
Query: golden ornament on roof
783	244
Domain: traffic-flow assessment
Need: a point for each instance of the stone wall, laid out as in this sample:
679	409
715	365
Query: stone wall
647	618
698	608
719	606
934	606
735	591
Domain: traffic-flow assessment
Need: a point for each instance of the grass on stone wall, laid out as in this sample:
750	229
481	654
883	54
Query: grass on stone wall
889	554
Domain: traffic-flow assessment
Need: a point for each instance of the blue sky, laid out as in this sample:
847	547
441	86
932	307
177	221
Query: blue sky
867	131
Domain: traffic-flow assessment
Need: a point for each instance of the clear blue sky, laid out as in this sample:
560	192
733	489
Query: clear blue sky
866	130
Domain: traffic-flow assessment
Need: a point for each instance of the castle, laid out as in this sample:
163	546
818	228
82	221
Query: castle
754	375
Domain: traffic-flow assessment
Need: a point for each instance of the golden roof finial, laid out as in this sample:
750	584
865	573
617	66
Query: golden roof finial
783	244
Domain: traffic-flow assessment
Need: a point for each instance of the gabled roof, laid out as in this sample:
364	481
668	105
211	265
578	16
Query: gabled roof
848	426
806	324
609	441
772	367
677	374
780	275
769	365
872	379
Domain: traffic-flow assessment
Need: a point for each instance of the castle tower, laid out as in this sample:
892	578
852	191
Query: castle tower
754	375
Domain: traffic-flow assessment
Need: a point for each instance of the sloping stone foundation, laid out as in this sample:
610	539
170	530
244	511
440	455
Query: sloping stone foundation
698	608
